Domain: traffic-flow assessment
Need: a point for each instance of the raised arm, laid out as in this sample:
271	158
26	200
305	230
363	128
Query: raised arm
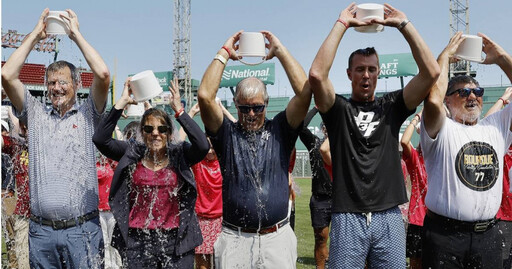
12	68
434	113
405	142
212	114
298	106
495	54
226	113
319	80
428	70
112	148
98	67
198	147
192	113
502	101
325	151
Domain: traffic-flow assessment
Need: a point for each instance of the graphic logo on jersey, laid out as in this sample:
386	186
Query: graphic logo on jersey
477	166
365	124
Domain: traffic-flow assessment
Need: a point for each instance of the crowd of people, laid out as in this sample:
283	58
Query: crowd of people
155	197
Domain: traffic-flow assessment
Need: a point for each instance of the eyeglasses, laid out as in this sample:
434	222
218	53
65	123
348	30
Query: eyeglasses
161	129
62	83
465	92
246	109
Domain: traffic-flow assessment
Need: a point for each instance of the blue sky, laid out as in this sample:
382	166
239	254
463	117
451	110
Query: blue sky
138	35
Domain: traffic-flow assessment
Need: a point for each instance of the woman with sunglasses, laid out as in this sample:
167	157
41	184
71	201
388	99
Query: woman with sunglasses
153	190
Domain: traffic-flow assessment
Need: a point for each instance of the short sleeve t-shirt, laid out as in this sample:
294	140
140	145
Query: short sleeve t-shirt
464	166
209	188
367	174
254	168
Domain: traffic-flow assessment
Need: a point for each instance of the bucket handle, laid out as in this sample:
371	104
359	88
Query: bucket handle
252	64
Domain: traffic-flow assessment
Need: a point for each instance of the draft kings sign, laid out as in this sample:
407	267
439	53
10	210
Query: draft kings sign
397	65
233	74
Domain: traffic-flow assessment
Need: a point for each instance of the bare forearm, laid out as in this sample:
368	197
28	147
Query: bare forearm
419	87
505	63
12	67
427	65
293	69
325	57
211	113
93	58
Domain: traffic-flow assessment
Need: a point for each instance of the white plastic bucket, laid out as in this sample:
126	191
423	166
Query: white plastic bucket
252	44
470	49
134	110
367	12
145	86
55	25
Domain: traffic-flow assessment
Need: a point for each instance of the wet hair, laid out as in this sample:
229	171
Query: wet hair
365	52
131	130
59	65
460	79
249	88
159	114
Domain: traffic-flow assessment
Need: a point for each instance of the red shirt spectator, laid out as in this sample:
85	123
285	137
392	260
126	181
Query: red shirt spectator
505	212
18	150
418	175
209	188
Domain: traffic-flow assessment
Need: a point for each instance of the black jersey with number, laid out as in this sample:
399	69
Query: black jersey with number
367	174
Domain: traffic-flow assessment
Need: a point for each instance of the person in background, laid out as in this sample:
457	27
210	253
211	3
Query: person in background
153	192
106	169
209	198
463	158
17	149
505	212
321	187
132	131
368	184
64	221
8	200
254	154
415	164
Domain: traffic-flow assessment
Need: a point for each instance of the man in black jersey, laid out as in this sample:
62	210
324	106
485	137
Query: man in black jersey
368	184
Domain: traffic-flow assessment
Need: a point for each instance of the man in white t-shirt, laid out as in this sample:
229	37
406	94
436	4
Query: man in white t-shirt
463	157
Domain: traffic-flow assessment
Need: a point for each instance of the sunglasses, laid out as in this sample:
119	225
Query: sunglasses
161	129
465	92
255	109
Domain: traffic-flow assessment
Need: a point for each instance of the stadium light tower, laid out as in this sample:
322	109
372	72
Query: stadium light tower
459	21
181	48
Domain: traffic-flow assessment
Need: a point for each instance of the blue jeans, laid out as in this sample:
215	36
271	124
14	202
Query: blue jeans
76	247
378	239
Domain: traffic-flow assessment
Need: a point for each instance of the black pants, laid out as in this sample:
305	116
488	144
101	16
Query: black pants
449	246
155	249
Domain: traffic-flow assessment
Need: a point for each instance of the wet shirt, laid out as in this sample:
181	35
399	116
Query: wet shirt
18	152
62	161
363	136
255	171
154	199
321	173
465	166
209	188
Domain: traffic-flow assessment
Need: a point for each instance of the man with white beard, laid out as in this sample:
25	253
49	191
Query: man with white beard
463	158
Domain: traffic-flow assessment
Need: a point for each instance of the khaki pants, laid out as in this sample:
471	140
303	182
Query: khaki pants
21	241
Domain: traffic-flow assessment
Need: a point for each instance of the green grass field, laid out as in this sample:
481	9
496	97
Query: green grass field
303	229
